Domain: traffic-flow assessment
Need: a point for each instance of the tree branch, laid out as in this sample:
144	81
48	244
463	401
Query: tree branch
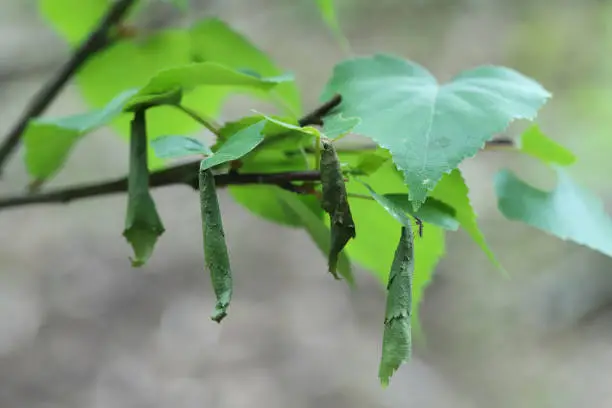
97	41
186	174
316	116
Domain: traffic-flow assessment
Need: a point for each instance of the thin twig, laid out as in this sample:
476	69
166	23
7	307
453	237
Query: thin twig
198	117
181	174
501	143
316	117
97	41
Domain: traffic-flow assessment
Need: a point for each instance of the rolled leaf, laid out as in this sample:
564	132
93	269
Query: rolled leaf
215	249
335	203
397	337
142	223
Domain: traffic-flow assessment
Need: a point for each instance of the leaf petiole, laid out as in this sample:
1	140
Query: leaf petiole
208	123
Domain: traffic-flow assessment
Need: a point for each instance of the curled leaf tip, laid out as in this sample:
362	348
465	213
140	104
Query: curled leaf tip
219	314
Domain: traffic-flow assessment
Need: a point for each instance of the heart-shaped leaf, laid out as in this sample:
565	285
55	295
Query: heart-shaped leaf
430	128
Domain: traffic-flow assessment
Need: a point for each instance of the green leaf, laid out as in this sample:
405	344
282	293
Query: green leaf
171	83
370	162
214	40
142	223
315	227
48	141
306	130
74	19
397	337
260	199
537	144
129	64
432	211
569	212
430	128
182	5
378	235
278	132
328	12
236	146
216	255
178	146
453	191
338	126
335	203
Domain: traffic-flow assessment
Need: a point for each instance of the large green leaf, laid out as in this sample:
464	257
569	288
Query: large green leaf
569	211
535	143
130	64
315	227
48	141
374	246
453	191
430	128
73	19
178	80
236	146
214	40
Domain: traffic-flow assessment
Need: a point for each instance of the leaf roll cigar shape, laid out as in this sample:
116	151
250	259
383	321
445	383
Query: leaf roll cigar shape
397	336
143	225
215	249
335	203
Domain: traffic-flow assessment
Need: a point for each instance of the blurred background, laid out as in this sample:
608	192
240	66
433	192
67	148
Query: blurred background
80	328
